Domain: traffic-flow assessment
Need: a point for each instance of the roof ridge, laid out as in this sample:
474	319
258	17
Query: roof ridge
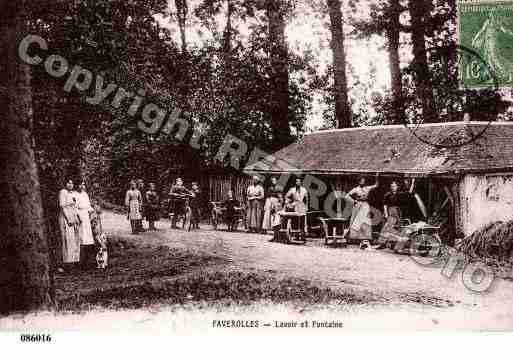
381	127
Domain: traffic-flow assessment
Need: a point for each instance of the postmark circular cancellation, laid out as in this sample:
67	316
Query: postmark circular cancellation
484	65
461	75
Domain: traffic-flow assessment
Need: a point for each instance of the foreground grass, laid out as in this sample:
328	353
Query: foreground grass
142	275
231	288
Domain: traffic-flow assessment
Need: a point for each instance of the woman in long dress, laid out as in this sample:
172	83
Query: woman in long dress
360	226
133	200
85	231
255	197
69	223
140	187
299	197
152	207
392	211
271	200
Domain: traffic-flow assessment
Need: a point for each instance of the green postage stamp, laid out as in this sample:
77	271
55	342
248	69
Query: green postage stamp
486	27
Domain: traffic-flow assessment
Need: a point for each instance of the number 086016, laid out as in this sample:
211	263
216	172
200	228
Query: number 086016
36	338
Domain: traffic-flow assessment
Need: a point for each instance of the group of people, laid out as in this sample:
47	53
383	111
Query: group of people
179	195
80	225
264	207
398	203
142	204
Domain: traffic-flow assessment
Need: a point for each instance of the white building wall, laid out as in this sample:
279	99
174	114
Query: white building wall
485	199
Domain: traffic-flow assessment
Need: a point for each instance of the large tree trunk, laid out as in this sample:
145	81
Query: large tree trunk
424	90
182	10
342	107
279	84
24	257
393	33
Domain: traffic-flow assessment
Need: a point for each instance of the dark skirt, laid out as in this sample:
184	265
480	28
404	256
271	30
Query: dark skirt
152	213
392	224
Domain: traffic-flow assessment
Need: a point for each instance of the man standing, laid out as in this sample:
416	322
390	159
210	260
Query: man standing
178	194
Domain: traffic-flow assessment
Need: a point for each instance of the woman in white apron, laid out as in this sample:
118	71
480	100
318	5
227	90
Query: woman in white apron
133	201
255	197
360	226
299	197
69	222
272	198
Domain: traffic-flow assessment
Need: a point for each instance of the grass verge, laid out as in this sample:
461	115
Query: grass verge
145	275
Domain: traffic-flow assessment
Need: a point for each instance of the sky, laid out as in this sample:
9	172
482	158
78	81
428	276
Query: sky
307	30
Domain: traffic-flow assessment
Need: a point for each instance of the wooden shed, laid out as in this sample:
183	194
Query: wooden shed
473	182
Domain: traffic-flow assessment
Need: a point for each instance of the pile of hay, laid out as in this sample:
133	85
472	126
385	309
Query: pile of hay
494	241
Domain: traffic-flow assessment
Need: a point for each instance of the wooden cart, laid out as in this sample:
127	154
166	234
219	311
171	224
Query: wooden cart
217	215
292	227
314	227
334	230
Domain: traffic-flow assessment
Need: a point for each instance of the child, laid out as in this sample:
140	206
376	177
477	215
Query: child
100	238
177	203
195	205
96	221
152	206
276	208
231	205
289	205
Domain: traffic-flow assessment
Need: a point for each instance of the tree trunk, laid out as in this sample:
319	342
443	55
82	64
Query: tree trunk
424	90
393	38
228	35
342	107
24	256
279	82
182	10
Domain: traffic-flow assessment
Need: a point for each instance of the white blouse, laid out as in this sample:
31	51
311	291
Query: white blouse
255	192
83	201
66	198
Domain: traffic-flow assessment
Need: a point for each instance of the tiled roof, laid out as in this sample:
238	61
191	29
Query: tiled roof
394	149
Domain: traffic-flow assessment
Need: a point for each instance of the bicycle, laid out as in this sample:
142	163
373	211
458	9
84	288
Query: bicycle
186	216
417	240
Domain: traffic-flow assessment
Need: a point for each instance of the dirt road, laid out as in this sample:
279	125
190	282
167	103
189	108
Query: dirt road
401	294
398	280
381	272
